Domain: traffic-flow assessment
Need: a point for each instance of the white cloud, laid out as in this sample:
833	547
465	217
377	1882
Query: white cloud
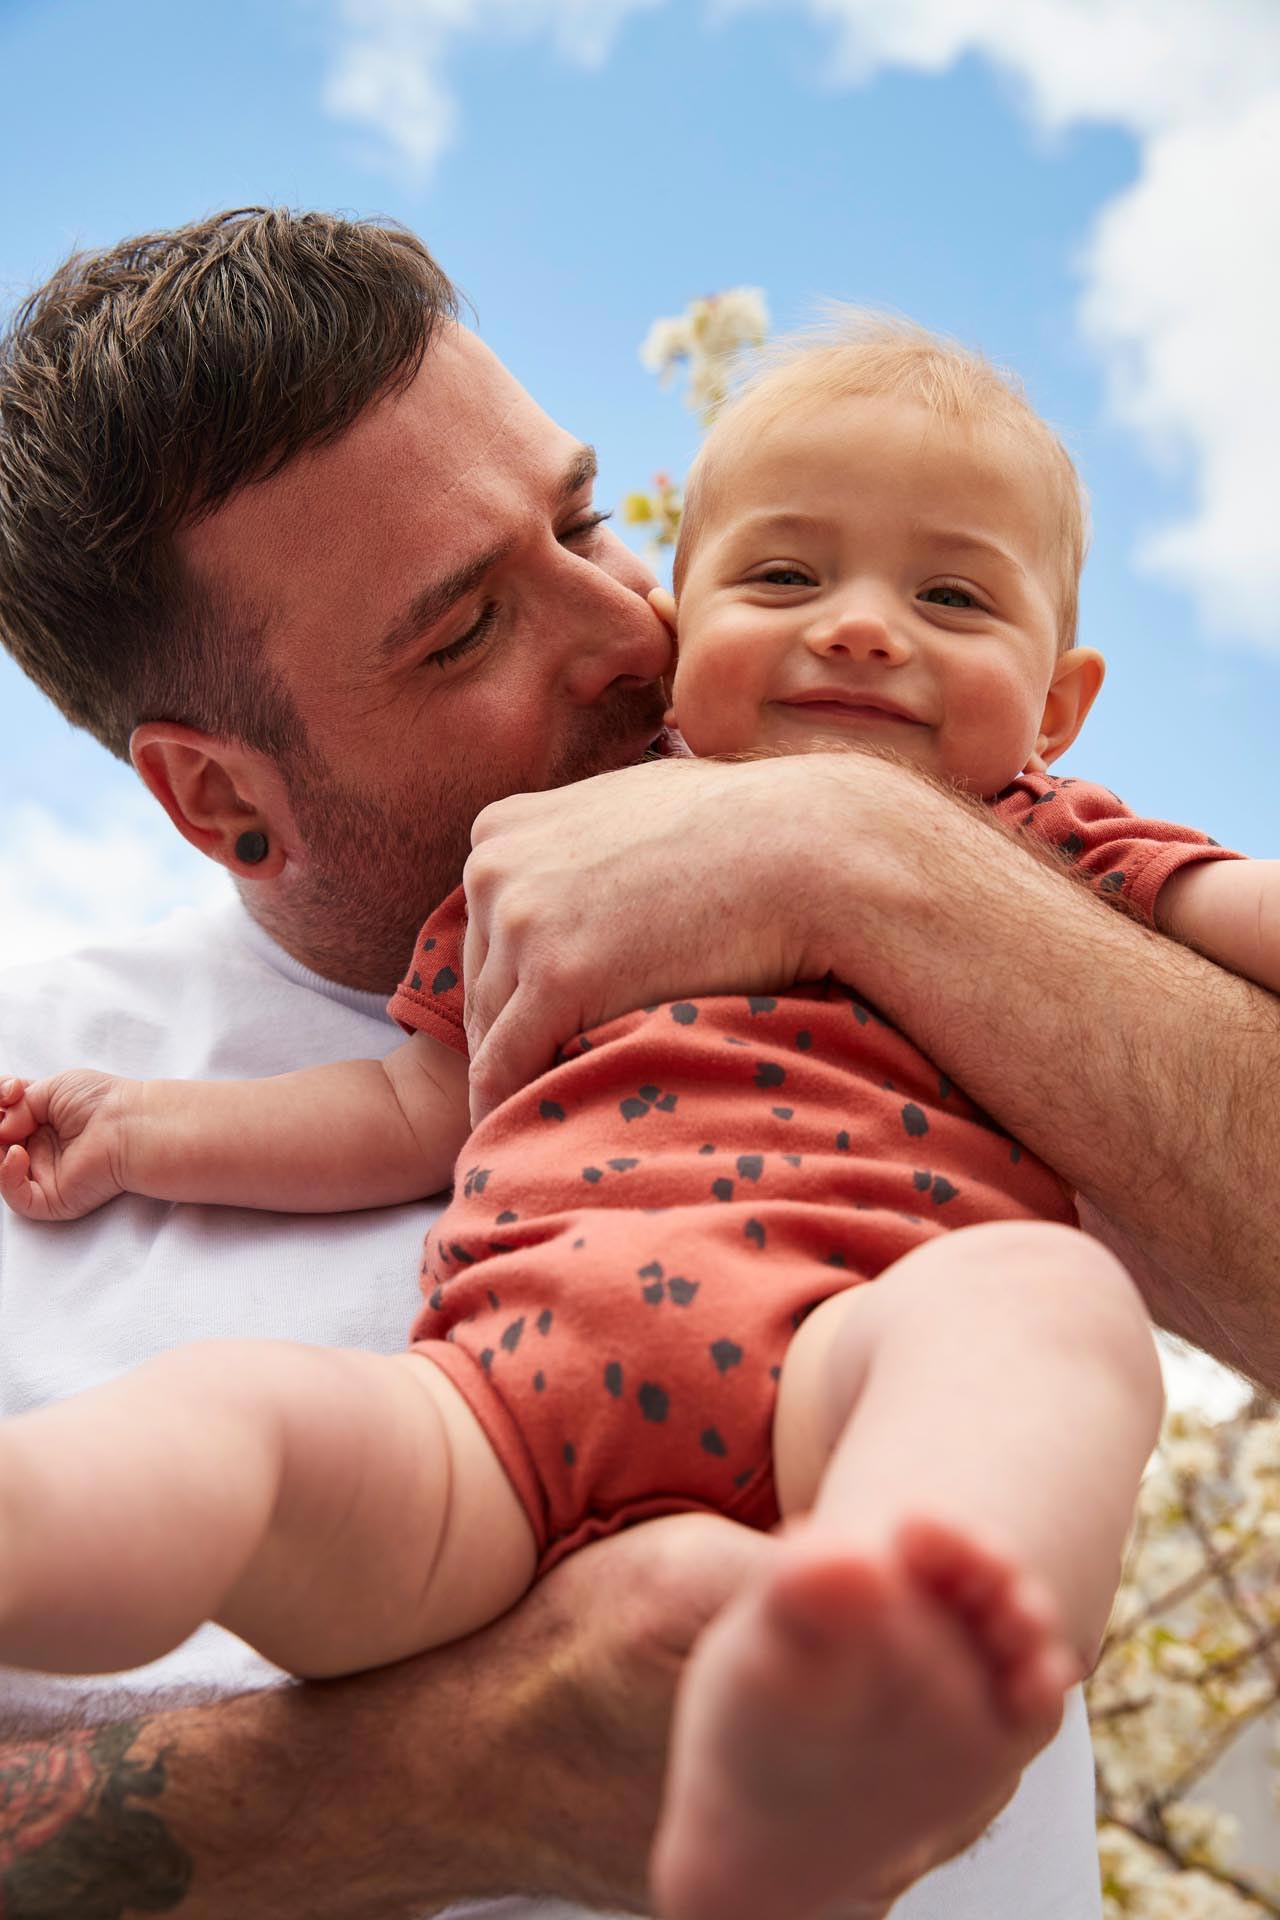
1181	276
391	68
62	886
1183	298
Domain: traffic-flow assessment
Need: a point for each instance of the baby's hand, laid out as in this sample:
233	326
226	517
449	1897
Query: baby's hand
62	1143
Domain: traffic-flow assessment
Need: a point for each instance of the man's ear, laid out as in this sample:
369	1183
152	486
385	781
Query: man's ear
1077	678
663	602
214	790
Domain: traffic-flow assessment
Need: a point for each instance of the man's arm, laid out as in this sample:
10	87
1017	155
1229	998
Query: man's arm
1147	1076
527	1759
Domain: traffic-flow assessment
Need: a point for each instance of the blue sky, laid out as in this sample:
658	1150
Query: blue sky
1089	194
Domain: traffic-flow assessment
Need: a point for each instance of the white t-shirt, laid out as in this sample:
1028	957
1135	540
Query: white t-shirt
209	996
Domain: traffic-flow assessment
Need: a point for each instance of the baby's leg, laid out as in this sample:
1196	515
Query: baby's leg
966	1436
337	1509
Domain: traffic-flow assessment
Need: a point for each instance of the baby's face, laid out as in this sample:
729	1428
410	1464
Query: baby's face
870	575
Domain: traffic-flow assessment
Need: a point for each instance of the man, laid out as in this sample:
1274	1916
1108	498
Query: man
271	522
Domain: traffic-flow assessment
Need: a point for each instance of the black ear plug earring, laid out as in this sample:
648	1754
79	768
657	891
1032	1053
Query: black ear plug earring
251	848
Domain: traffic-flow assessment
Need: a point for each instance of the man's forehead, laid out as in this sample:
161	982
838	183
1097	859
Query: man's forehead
463	431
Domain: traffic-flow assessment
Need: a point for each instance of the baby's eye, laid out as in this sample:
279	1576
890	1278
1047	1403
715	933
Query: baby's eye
784	577
948	596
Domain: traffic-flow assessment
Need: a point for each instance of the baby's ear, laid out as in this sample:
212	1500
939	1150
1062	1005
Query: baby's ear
1077	678
663	602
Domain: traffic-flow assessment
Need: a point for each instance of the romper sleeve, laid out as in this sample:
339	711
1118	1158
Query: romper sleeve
1120	855
429	998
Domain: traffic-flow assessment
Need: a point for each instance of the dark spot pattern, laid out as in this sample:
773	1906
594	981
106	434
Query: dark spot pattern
684	1013
713	1443
654	1404
754	1231
550	1110
726	1354
913	1119
613	1379
444	981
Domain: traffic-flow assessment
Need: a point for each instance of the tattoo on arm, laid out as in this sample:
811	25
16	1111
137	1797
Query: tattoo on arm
74	1838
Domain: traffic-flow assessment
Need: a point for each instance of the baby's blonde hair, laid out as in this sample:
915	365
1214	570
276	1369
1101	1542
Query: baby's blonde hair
860	354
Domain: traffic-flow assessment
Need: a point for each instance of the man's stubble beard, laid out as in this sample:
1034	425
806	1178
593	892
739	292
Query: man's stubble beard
375	870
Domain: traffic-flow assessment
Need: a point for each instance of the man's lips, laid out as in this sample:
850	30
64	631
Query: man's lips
856	706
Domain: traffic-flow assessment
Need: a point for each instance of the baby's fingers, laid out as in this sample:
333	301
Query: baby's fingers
17	1189
17	1120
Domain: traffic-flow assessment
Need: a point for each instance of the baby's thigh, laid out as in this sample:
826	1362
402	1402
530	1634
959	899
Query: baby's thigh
1018	1293
395	1528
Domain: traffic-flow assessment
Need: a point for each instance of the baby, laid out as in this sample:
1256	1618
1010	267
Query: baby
648	1293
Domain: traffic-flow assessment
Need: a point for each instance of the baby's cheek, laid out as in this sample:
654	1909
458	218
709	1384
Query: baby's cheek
709	707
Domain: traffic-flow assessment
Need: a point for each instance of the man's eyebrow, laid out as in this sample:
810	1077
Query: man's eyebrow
434	601
579	473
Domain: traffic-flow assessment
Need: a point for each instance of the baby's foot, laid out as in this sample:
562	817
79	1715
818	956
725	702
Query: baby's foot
849	1723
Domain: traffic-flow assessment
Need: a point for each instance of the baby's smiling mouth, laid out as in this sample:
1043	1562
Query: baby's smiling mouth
834	701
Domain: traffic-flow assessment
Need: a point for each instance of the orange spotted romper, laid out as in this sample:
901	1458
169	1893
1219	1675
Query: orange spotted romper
635	1236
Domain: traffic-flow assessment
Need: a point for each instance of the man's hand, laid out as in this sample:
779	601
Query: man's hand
676	877
576	1692
62	1143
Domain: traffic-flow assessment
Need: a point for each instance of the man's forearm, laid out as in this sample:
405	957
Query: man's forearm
527	1759
1149	1078
278	1804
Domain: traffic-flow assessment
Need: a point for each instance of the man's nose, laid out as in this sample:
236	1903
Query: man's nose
612	634
859	630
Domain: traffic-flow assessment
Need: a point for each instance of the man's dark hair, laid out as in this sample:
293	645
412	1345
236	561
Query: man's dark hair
142	386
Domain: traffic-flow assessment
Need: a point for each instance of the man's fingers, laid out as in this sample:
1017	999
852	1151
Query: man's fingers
487	988
514	1051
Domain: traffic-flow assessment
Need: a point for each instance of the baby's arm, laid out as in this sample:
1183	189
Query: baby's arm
1229	910
360	1133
